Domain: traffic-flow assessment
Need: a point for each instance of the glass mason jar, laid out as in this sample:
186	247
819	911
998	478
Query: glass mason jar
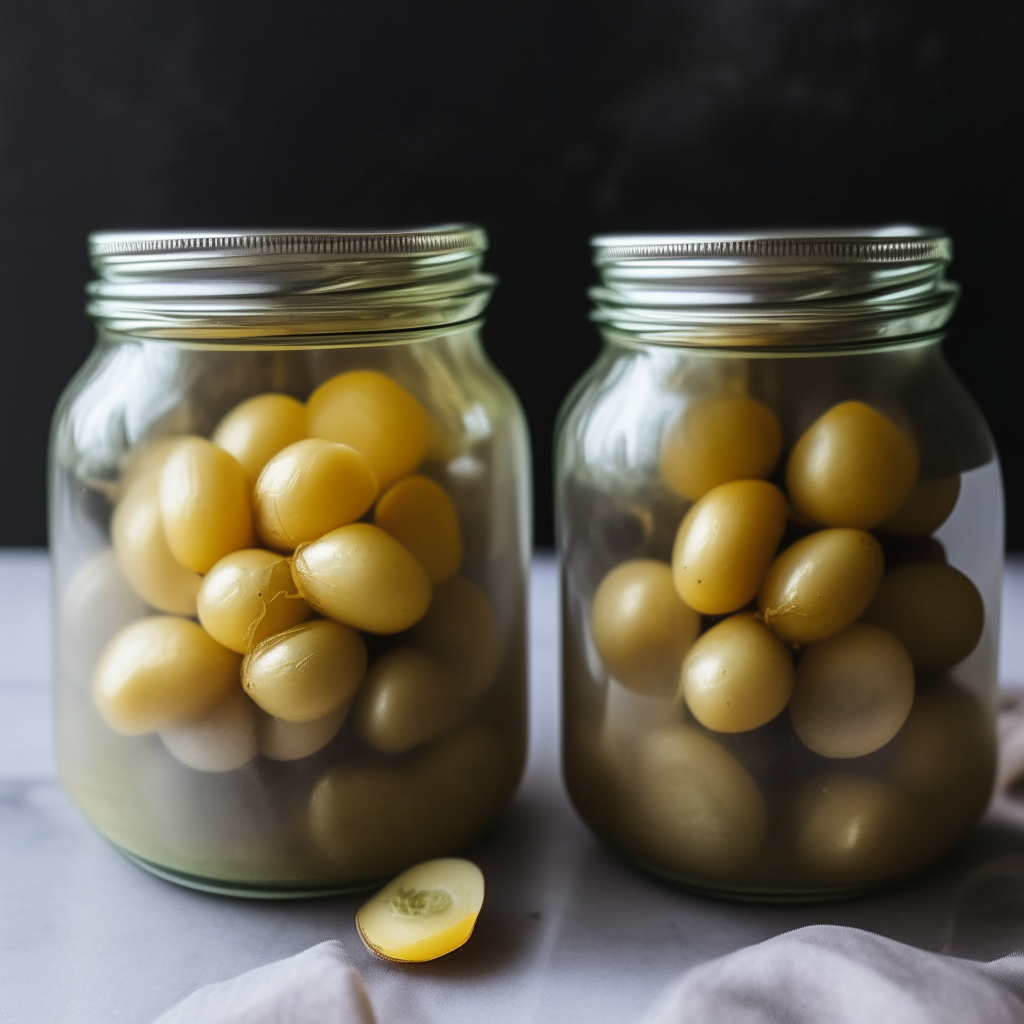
290	538
781	538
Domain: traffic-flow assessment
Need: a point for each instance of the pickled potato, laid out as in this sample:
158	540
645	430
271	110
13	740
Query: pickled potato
374	820
306	672
927	508
221	740
641	628
96	602
627	716
944	757
310	488
821	584
697	808
137	533
204	504
460	629
258	428
853	692
407	699
424	913
853	830
725	544
291	741
419	514
376	415
934	609
248	596
159	672
145	458
851	467
716	440
737	676
370	821
467	775
362	576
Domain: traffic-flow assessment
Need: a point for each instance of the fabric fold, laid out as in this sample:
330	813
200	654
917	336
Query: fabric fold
316	986
843	976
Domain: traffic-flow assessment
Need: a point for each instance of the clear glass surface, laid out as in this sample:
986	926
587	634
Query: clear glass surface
754	813
348	813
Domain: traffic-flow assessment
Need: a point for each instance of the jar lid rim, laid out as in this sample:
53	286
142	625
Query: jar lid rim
434	240
896	243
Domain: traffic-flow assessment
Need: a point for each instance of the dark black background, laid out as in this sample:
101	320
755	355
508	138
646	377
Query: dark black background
544	121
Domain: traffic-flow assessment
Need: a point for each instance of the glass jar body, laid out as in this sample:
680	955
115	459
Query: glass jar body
234	792
725	770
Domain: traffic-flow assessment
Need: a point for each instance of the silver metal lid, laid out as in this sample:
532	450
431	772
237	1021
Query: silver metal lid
775	288
245	284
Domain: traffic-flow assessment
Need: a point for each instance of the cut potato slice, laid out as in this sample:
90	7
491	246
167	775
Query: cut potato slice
425	912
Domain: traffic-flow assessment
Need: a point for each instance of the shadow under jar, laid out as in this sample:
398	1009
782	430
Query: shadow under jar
290	539
780	525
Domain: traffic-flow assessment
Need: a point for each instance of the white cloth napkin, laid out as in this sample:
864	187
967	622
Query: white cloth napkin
316	986
827	974
822	974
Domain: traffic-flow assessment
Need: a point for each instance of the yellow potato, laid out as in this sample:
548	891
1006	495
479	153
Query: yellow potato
725	544
291	741
424	913
698	811
461	630
468	774
935	611
248	596
853	692
362	576
137	533
719	439
407	699
204	504
307	672
146	458
944	757
258	428
371	412
419	514
927	508
371	821
821	584
641	627
851	467
627	717
851	830
220	740
310	488
160	672
95	603
737	676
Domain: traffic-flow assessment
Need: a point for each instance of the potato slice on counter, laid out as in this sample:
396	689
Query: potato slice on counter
425	912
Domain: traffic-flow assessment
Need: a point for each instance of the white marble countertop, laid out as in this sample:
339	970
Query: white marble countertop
569	932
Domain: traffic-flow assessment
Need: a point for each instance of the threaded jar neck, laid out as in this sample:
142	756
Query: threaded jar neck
784	288
245	284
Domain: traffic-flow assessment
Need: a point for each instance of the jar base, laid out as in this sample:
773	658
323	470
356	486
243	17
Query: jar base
755	893
247	890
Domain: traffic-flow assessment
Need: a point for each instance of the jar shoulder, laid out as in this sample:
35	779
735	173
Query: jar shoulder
619	410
